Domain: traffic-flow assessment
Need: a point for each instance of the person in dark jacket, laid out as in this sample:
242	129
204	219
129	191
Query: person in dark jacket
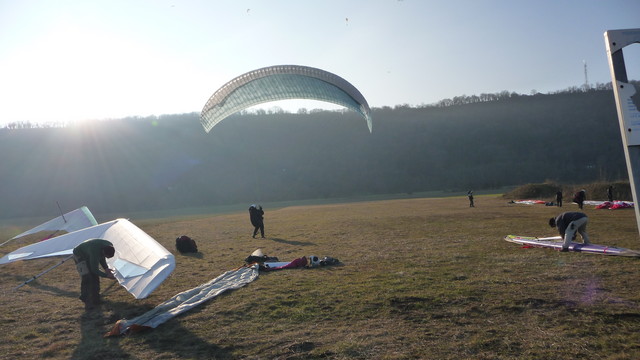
559	198
610	193
89	256
568	224
256	215
580	197
470	196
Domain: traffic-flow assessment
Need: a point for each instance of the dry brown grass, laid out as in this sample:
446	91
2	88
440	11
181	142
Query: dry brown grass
421	279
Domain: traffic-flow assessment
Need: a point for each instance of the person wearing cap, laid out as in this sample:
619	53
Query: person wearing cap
256	215
568	223
89	256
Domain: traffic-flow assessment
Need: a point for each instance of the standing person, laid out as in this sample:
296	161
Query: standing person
610	193
89	256
579	198
256	215
559	198
568	224
470	196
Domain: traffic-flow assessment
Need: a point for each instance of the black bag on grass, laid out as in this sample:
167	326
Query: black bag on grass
185	244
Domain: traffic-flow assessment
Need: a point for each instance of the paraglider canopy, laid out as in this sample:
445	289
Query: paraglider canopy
282	82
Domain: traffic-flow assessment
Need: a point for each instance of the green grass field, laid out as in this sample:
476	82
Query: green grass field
423	278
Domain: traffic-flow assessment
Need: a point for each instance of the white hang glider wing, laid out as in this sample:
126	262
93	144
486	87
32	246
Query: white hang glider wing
74	220
141	264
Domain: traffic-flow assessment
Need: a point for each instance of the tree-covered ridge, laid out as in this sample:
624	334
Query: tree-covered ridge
170	162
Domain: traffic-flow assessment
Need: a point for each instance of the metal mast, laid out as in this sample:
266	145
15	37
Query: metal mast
628	108
586	77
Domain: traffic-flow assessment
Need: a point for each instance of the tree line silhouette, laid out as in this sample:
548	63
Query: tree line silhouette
167	162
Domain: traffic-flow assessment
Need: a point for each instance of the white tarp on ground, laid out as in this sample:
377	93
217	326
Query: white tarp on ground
187	300
141	264
529	202
74	220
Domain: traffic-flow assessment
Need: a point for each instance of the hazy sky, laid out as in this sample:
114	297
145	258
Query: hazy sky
63	60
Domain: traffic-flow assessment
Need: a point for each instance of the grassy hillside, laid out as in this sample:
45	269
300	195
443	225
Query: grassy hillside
421	279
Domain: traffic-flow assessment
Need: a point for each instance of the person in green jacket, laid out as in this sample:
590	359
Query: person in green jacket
89	256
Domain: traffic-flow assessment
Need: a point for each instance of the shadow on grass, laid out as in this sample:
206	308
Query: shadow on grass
52	289
291	242
198	255
184	343
92	345
172	337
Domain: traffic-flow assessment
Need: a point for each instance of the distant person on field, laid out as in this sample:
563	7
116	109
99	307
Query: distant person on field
568	224
256	215
610	193
89	256
559	198
579	198
470	196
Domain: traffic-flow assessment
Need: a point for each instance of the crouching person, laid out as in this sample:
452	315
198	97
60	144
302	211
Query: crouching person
89	256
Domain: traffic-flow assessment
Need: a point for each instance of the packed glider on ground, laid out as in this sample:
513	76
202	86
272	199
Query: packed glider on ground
556	243
187	300
141	264
282	82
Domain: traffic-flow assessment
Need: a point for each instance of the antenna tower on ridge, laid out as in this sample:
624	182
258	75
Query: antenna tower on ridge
586	78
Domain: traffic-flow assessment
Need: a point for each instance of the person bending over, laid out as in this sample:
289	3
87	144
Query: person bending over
89	256
568	223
